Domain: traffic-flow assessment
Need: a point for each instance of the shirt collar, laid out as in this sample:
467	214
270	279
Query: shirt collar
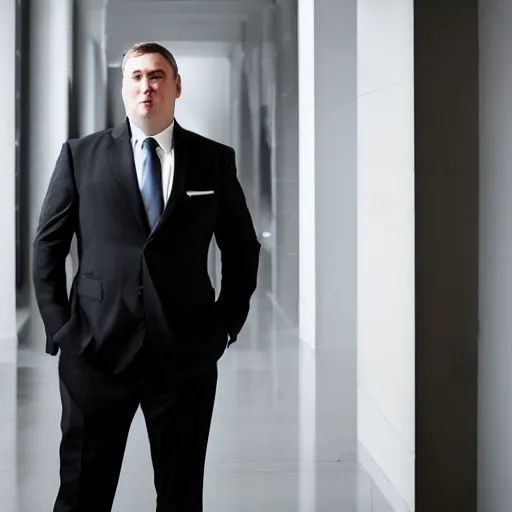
164	138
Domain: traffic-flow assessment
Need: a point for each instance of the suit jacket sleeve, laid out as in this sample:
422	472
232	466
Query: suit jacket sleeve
51	247
239	247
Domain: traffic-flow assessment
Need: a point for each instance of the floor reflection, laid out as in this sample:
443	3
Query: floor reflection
8	463
283	435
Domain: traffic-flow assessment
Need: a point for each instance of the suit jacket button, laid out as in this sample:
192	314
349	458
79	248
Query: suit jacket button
140	289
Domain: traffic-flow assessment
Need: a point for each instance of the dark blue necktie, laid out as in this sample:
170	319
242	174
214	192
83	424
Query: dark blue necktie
151	191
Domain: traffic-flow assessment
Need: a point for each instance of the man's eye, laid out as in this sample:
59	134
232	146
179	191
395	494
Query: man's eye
137	77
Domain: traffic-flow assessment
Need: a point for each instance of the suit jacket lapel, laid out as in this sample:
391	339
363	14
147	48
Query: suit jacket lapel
181	148
124	168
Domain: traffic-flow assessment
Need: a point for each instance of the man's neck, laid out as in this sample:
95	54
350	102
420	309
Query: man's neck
150	129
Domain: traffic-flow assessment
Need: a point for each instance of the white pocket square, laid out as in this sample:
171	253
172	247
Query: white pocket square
193	193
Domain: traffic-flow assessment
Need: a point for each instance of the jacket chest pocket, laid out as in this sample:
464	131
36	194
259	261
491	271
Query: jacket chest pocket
198	204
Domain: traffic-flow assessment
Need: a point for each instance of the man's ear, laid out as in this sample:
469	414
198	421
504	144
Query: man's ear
178	86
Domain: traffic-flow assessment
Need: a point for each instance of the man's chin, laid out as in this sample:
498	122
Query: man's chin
145	113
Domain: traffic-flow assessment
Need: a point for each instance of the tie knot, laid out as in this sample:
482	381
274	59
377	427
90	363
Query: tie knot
150	143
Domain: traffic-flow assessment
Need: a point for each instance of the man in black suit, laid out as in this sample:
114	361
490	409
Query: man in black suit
141	325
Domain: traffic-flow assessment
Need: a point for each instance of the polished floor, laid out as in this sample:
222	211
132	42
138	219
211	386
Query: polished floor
283	437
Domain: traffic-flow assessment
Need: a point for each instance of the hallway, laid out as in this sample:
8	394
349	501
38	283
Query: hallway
299	424
278	442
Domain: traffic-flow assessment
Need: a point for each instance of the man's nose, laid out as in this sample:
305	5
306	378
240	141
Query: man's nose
145	86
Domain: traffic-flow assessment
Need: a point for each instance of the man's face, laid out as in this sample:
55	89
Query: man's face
150	90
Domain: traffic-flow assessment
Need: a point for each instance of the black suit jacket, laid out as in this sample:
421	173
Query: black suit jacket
131	281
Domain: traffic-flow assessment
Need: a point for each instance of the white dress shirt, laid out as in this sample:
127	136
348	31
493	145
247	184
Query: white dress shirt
165	151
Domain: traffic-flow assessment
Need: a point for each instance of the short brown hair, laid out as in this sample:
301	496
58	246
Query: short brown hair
145	48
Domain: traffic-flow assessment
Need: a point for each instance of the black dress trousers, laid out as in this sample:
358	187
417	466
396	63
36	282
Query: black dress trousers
97	411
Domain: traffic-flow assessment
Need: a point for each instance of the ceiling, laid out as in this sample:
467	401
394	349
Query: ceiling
189	26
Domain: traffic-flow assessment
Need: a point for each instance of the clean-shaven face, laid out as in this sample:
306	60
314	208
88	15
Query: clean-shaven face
149	92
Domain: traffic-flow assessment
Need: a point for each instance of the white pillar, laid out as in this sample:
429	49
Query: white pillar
307	241
327	174
50	73
91	77
327	36
356	222
385	239
8	333
285	184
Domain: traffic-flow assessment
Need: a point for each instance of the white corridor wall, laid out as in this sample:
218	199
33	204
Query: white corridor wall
205	104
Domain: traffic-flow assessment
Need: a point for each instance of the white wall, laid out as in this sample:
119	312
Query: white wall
495	347
7	199
385	273
204	106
